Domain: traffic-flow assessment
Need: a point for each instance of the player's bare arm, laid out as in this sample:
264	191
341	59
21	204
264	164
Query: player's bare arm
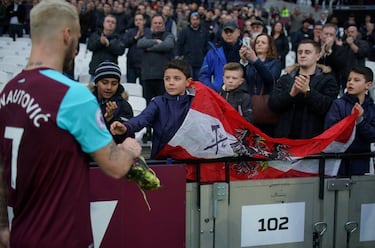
116	160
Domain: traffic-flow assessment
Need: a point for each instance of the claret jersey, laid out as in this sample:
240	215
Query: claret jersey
48	124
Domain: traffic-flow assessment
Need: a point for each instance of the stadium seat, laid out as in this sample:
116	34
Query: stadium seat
18	60
10	68
133	89
84	78
4	78
138	104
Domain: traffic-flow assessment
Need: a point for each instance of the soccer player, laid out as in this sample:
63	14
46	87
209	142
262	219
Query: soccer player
48	125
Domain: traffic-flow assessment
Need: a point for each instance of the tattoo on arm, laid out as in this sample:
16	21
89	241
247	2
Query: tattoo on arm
113	151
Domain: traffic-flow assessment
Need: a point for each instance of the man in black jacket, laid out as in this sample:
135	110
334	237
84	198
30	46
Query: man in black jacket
16	15
192	44
333	55
106	45
134	54
304	95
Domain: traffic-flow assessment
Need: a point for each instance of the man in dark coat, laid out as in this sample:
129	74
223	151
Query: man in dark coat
16	15
106	45
192	44
134	54
304	95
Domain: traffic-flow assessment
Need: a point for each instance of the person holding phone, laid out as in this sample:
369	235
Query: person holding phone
246	41
262	69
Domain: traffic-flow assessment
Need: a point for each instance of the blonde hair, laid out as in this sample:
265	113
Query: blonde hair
48	16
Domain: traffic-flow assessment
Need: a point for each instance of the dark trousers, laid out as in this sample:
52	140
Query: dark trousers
195	73
132	74
152	88
15	29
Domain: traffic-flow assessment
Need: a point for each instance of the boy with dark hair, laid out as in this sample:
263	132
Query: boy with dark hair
356	99
235	91
165	113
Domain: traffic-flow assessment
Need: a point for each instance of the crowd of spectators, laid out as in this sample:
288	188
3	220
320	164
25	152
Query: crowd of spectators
207	36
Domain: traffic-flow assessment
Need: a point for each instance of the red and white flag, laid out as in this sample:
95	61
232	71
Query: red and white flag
214	129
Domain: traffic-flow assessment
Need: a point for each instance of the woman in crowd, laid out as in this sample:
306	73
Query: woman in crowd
281	41
263	68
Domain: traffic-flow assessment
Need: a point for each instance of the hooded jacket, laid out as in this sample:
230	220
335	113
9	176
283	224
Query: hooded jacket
240	99
123	112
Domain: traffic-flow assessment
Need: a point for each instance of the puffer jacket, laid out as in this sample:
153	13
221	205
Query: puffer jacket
240	99
123	112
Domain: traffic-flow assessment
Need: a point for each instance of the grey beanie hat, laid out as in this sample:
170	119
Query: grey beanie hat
107	70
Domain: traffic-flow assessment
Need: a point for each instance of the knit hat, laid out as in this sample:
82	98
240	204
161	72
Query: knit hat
107	70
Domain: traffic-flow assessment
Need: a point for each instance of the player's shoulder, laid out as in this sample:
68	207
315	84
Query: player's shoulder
60	77
75	88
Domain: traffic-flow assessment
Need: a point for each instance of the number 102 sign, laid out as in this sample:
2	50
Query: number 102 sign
269	224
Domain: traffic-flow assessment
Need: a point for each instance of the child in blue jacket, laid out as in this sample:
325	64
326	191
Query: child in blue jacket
359	82
164	113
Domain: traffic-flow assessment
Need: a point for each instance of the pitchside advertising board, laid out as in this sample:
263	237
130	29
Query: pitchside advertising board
269	224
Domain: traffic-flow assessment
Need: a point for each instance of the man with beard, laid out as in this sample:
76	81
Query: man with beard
48	124
106	44
158	46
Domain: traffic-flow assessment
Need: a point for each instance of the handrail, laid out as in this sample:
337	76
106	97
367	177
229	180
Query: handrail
245	158
321	157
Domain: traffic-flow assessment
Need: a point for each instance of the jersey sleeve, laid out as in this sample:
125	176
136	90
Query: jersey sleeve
81	116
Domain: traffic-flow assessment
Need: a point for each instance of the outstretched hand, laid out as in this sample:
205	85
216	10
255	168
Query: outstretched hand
117	128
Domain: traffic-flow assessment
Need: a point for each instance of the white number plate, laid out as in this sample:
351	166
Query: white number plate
272	224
